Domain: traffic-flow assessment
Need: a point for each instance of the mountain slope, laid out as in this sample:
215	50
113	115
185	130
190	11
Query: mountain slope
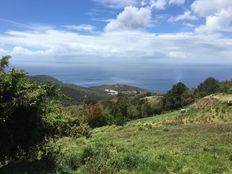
146	146
80	94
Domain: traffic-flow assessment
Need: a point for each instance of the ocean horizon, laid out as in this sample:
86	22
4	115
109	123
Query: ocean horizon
153	77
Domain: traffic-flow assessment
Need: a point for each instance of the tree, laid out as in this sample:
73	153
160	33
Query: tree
187	97
145	110
119	109
173	98
133	112
94	115
22	111
4	62
209	86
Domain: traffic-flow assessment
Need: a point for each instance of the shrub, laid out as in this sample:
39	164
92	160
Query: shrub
175	98
132	160
94	115
22	111
29	115
209	86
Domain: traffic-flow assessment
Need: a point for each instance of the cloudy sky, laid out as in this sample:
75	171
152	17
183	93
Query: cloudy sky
186	31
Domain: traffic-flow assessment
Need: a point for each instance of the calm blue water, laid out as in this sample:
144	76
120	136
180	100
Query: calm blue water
154	77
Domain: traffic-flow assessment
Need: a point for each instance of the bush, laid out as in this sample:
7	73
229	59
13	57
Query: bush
29	115
94	115
95	158
209	86
177	97
132	160
22	111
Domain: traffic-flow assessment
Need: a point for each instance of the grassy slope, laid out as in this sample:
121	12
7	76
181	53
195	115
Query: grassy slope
153	145
191	148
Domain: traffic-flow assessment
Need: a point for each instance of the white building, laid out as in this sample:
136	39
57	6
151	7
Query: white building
111	92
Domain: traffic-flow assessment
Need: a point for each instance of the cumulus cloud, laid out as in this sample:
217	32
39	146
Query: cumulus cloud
218	15
131	18
82	27
186	16
219	22
206	8
158	4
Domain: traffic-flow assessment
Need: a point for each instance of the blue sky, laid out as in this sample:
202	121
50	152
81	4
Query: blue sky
72	12
148	31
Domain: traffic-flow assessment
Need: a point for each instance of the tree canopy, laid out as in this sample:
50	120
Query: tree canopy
22	111
209	86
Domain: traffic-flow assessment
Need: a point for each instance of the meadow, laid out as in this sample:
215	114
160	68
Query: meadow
159	144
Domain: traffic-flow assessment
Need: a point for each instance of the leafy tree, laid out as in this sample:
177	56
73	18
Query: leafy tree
145	110
187	97
209	86
119	109
226	86
22	111
94	115
4	62
133	112
173	99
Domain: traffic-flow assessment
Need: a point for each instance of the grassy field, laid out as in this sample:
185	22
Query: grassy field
168	143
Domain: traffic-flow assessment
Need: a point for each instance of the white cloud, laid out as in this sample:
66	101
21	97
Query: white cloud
219	22
176	1
206	8
190	47
158	4
82	27
189	25
186	16
162	4
155	4
3	51
21	51
131	18
217	14
117	3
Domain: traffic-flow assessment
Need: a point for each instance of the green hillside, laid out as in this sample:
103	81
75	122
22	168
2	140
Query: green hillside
79	94
196	141
40	134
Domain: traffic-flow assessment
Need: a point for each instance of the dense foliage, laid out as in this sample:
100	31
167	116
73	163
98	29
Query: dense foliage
209	86
22	107
29	113
179	96
94	115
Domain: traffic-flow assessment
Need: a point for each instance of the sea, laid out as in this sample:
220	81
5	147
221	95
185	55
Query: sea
158	77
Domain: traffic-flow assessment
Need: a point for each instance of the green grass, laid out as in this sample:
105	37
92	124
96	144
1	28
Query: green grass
144	147
150	120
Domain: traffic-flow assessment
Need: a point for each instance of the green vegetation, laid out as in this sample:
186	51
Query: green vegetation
30	114
179	96
75	94
209	86
133	132
145	146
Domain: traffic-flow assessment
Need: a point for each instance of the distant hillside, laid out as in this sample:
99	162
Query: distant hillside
80	94
45	78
